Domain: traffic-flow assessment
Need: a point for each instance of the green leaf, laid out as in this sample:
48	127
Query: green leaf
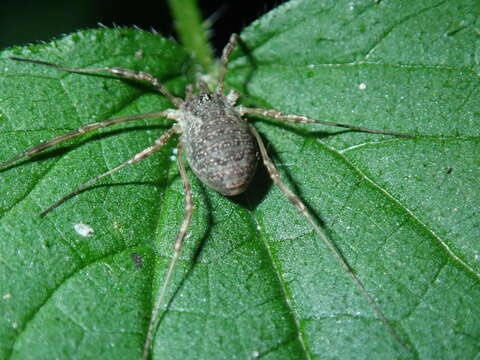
253	280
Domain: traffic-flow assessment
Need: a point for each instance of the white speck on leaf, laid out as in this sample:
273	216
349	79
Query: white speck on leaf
362	86
173	157
7	296
83	230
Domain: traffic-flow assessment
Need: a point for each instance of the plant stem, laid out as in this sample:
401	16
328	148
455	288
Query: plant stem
191	30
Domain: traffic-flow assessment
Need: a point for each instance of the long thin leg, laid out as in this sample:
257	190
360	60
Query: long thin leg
178	247
138	157
302	209
123	73
79	132
304	119
227	50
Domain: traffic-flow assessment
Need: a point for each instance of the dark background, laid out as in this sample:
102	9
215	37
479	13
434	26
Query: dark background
29	21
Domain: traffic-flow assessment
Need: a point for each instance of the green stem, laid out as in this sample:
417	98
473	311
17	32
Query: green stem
191	30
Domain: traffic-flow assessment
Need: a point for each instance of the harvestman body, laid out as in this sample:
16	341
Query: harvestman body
222	149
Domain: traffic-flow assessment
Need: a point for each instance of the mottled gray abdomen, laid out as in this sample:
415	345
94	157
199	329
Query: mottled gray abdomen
221	150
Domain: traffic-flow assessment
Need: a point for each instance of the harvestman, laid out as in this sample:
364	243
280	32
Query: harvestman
222	149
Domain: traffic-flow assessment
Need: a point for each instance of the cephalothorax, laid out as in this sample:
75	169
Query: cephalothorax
222	149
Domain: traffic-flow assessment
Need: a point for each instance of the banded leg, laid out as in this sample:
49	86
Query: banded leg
79	132
302	209
123	73
138	157
177	249
304	119
227	50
